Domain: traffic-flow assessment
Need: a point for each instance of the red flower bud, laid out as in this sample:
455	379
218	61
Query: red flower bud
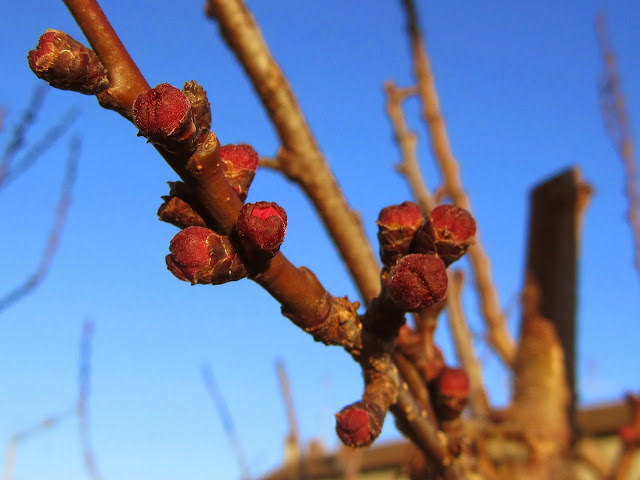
397	225
239	164
359	424
451	391
67	64
416	282
261	228
447	231
200	255
163	115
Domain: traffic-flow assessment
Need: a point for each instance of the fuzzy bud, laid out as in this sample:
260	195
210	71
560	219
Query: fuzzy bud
417	281
359	424
397	225
239	164
200	255
67	64
163	115
451	391
261	228
447	231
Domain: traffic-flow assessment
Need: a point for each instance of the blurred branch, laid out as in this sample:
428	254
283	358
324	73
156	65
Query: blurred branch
498	334
19	437
616	121
300	158
410	169
226	419
463	342
56	230
37	150
21	129
82	404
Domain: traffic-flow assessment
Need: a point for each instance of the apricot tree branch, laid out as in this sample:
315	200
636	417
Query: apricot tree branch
82	402
616	120
498	334
125	80
300	157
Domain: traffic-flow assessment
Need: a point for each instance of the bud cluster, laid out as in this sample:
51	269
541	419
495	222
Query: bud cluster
416	251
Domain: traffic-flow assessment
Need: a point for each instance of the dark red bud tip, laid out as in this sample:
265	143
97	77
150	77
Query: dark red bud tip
449	231
453	223
451	388
407	214
358	425
453	381
261	228
416	282
190	253
200	255
397	226
67	64
163	115
239	164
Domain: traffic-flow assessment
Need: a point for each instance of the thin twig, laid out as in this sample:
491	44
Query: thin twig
82	404
56	230
498	334
37	150
616	120
409	167
19	437
20	131
226	419
463	341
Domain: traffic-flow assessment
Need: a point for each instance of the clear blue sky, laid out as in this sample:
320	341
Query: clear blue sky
518	88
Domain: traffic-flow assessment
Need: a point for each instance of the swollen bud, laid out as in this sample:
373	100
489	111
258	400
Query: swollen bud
67	64
417	281
397	225
451	391
163	115
200	255
447	231
359	424
239	164
261	228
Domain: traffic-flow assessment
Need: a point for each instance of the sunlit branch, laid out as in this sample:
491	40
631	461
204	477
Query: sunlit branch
498	334
616	120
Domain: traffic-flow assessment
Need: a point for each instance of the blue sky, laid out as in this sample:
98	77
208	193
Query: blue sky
518	89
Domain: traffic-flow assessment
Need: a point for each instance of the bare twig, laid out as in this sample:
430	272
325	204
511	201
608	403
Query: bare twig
498	334
463	342
20	131
82	403
460	330
616	120
19	437
226	419
125	80
37	150
56	230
